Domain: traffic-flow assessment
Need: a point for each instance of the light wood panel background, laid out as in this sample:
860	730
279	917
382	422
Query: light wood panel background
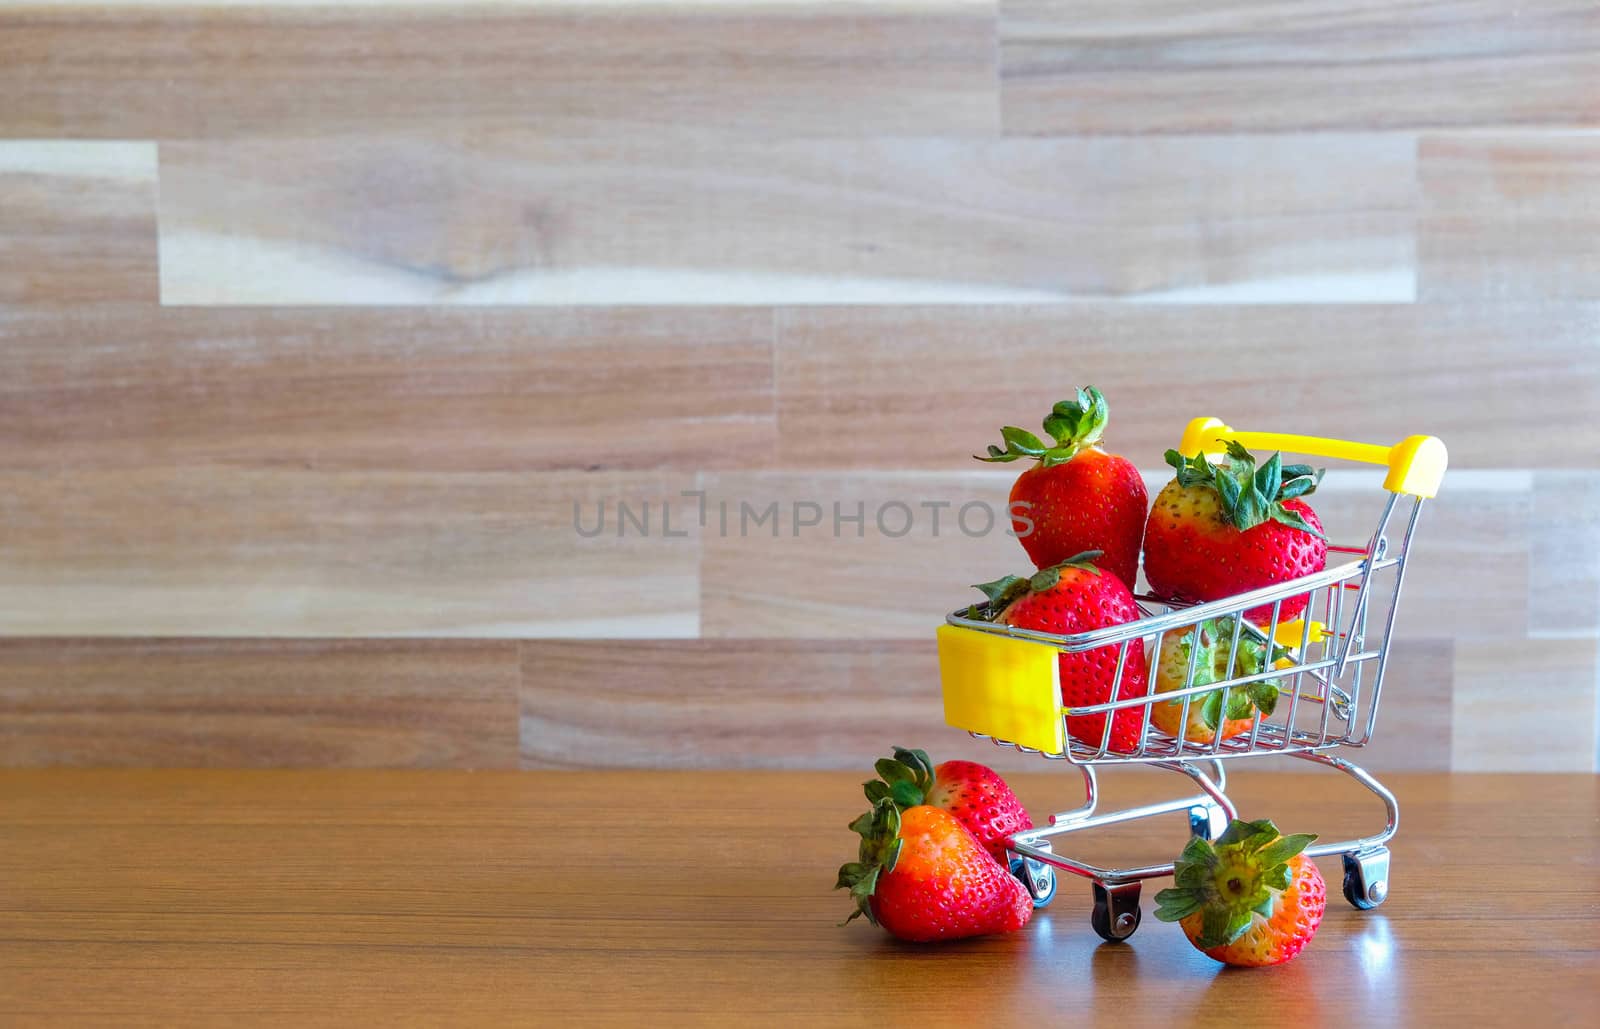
317	321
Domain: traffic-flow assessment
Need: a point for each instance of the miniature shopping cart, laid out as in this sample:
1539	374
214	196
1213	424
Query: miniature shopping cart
1001	683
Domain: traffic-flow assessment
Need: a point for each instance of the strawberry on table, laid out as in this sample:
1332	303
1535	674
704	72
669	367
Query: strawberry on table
1072	597
1076	496
975	794
922	876
1218	530
1250	899
1235	713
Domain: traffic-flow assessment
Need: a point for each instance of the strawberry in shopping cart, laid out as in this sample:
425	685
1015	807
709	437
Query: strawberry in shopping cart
1071	597
1218	530
1250	899
1207	646
975	794
922	876
1075	496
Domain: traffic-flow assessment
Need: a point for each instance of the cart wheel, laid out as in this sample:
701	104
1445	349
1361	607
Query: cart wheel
1207	821
1366	878
1116	911
1038	877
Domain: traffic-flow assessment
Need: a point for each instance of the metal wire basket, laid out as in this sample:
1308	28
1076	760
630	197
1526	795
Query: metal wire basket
1001	683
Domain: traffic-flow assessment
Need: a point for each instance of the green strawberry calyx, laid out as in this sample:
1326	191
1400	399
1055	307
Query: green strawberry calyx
906	778
880	849
1251	495
1074	426
1232	881
1215	638
1008	588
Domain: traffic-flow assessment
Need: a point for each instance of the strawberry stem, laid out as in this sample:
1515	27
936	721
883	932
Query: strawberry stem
1008	588
905	778
1074	425
1232	881
880	849
1250	496
1214	637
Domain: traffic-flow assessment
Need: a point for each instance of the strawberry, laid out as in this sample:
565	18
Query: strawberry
1251	899
1214	638
1218	530
1075	596
973	793
923	877
1076	497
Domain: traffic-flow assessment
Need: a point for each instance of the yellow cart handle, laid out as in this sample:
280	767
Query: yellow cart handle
1416	464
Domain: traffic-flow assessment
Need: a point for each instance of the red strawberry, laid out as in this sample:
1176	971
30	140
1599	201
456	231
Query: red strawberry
1251	899
923	877
1218	530
1073	597
973	793
1077	497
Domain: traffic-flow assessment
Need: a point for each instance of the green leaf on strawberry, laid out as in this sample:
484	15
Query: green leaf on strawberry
1009	588
904	778
1215	638
1001	592
1073	425
1232	881
974	794
880	849
1251	495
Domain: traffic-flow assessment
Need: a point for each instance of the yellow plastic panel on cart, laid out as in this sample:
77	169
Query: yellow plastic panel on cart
1001	687
1416	464
1289	633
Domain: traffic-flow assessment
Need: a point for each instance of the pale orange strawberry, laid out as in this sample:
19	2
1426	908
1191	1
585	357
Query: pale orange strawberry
1213	639
1250	899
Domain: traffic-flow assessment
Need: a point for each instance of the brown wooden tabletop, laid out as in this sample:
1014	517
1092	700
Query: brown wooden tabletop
166	897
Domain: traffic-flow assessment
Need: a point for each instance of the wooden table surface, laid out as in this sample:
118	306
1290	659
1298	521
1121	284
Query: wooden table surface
202	897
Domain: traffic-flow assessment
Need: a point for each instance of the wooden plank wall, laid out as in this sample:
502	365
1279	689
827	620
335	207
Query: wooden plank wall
317	321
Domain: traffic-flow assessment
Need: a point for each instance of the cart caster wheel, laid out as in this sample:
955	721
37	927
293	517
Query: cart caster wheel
1116	911
1366	878
1038	877
1207	821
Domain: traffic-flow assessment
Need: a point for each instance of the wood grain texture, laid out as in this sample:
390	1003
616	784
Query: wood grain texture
1109	66
1416	723
216	551
892	576
77	221
691	704
849	375
1469	572
778	703
1525	705
258	703
199	897
184	70
1515	216
788	251
822	704
528	219
441	391
1564	555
